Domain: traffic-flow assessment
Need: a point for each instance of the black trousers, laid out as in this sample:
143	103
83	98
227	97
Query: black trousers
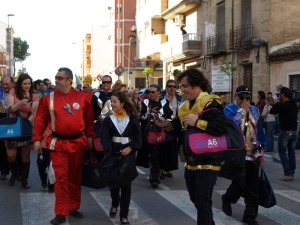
200	184
43	162
154	161
123	200
3	159
247	186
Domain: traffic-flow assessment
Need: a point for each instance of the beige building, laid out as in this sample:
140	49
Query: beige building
254	37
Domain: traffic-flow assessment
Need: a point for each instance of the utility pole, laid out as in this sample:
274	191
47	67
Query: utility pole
8	45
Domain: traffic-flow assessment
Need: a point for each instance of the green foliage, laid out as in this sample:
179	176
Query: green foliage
20	50
176	73
228	67
147	70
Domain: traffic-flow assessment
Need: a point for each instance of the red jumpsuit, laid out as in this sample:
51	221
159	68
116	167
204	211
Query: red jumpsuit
67	154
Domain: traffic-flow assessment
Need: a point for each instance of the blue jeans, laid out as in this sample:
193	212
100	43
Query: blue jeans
287	142
270	136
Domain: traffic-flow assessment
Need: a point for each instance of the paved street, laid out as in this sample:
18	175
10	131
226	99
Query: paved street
167	205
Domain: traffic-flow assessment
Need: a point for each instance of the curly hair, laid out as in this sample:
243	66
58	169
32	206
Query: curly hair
195	78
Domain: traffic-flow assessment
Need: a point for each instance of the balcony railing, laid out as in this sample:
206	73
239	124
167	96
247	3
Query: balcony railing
216	44
139	64
241	37
191	43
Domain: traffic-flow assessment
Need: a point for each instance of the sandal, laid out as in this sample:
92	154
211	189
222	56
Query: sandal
113	212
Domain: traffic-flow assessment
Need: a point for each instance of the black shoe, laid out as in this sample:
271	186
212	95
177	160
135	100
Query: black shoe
124	221
58	220
113	212
250	221
154	183
75	213
226	206
44	184
12	180
50	188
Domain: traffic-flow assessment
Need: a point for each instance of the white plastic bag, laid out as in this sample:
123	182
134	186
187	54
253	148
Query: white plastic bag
51	174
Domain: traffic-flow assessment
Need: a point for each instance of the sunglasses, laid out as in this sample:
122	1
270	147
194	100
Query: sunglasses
152	92
244	97
60	78
106	82
171	86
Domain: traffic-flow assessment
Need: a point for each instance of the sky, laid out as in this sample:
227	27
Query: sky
54	30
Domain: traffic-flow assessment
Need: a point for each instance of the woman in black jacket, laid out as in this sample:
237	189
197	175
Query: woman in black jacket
122	134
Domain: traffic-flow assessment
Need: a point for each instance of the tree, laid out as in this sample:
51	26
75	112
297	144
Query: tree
20	50
147	71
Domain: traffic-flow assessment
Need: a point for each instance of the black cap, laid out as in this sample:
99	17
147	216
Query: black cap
243	89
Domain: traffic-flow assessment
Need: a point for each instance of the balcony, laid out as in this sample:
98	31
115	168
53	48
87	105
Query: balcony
189	48
241	37
150	48
140	65
180	8
216	44
88	48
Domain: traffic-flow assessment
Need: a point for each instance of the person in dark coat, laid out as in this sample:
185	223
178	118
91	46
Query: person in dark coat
169	151
154	112
121	133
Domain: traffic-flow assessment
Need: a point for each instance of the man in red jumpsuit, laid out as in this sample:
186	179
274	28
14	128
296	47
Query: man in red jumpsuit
69	114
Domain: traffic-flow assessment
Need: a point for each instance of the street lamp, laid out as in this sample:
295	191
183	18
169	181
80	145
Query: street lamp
129	61
8	43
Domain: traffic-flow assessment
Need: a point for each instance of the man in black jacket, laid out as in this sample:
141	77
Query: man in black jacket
287	111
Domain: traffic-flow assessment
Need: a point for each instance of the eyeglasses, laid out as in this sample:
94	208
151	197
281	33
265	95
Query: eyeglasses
244	97
152	92
171	86
106	82
60	78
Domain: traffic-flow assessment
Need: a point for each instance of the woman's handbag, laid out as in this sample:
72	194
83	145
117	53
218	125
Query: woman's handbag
114	170
15	128
154	134
90	176
266	194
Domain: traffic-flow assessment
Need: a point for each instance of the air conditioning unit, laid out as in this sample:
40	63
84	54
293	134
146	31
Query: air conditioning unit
179	20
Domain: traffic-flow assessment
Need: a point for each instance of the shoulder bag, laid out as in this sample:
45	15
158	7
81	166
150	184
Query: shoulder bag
15	128
229	148
266	194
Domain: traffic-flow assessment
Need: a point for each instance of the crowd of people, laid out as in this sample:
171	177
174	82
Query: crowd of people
148	128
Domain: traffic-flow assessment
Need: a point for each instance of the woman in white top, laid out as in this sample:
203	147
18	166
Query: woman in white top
270	121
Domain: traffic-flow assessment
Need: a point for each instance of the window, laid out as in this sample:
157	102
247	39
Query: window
246	12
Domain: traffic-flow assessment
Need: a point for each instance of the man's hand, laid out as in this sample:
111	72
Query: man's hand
245	105
37	147
190	119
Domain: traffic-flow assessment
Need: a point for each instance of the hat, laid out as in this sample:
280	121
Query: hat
242	89
286	91
279	86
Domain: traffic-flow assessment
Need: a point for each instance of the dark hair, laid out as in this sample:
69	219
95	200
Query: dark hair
128	106
195	78
155	86
18	88
107	76
171	81
68	72
261	94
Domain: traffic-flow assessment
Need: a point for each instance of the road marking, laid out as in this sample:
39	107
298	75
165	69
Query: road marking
136	215
181	199
38	208
276	213
293	195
